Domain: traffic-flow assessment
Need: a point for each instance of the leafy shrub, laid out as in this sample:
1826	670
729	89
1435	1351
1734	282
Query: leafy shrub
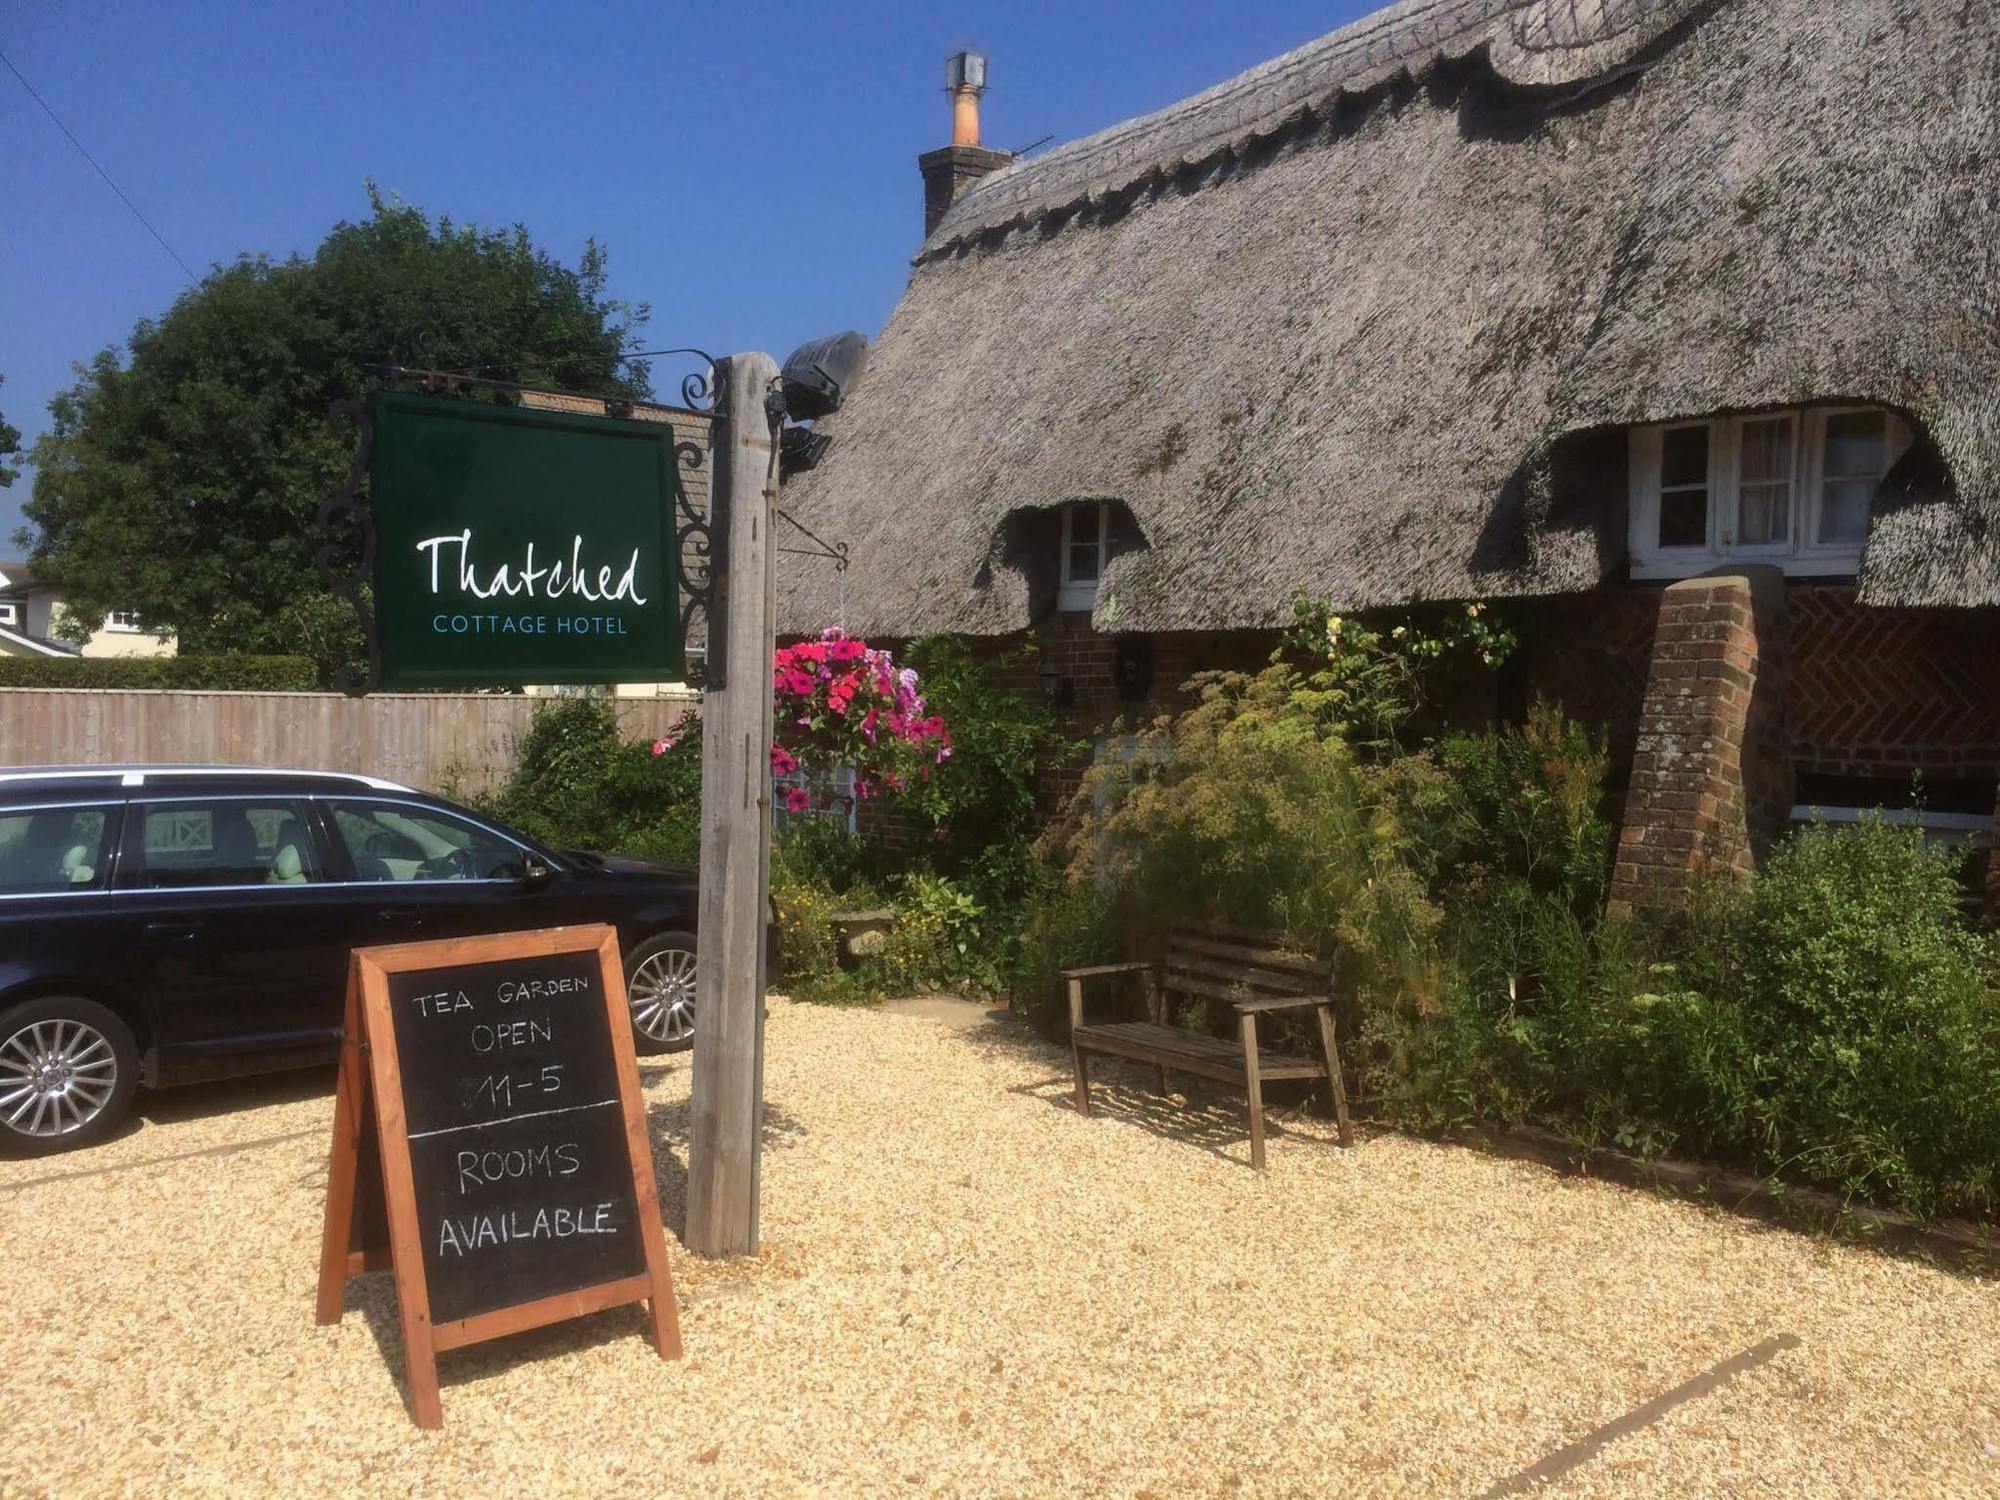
1867	1004
805	907
827	853
1831	1021
979	807
1252	807
1527	804
1067	925
941	940
238	674
578	783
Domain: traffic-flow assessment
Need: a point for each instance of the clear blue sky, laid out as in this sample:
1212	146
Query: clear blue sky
751	168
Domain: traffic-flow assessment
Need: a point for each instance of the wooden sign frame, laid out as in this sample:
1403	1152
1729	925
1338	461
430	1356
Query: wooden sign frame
371	1092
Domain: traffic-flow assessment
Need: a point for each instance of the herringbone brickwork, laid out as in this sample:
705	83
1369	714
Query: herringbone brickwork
1885	692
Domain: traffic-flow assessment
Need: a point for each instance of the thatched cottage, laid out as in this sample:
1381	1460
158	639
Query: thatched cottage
1678	318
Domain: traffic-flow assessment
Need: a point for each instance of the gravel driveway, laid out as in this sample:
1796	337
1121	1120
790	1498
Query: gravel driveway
969	1290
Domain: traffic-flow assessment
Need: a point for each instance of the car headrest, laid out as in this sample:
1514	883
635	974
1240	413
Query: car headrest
76	866
235	840
288	865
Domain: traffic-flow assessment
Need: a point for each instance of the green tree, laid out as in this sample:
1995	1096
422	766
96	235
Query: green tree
183	484
10	444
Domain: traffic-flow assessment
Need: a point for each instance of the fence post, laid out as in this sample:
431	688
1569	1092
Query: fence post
728	1105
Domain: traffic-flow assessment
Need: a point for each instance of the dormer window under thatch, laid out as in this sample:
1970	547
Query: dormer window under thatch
1086	531
1792	488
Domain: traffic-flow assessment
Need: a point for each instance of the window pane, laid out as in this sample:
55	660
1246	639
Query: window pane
195	844
1083	525
1684	457
407	843
1856	455
1855	445
56	849
1767	450
1843	510
1764	515
1083	563
1684	518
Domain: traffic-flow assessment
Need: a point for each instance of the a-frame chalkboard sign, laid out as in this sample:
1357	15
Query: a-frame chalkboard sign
489	1143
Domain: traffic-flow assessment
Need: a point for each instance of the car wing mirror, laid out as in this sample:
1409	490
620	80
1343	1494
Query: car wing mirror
536	871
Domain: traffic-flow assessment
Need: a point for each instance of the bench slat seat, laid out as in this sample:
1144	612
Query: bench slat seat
1255	973
1187	1052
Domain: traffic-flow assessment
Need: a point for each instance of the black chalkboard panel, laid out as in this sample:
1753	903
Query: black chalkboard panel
518	1152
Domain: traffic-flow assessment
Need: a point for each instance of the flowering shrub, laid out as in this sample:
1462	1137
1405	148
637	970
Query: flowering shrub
840	702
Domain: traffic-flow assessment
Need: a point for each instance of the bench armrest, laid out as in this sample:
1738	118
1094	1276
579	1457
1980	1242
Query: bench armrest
1073	982
1280	1002
1096	969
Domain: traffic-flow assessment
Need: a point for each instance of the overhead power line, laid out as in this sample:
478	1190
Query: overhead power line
122	198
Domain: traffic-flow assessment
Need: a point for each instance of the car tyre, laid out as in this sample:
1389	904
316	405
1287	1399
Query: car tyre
659	987
68	1070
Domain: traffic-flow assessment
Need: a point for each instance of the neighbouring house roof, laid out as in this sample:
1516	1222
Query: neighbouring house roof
1369	319
14	643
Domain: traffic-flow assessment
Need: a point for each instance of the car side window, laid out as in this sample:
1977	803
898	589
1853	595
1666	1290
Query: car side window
195	843
53	849
397	842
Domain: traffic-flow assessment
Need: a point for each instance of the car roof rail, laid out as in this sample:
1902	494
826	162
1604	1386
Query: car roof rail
149	775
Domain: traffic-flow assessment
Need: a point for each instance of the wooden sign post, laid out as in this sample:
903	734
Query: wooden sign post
728	1104
488	1124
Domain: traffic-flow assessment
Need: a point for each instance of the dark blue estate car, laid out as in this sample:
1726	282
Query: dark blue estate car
168	924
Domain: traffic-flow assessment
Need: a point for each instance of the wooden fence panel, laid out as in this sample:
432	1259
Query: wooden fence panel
420	739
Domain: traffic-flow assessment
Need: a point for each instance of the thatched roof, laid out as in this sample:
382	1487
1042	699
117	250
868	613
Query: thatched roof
1370	319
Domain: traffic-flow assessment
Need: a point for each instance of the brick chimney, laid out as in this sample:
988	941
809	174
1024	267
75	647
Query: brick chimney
949	170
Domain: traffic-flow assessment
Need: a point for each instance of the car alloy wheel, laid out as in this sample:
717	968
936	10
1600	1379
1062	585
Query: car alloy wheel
56	1076
662	995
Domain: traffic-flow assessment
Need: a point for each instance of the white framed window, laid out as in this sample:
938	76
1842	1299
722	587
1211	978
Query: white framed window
1086	533
10	613
123	621
1787	487
833	798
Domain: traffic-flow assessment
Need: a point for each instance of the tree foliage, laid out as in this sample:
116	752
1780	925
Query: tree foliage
10	446
183	482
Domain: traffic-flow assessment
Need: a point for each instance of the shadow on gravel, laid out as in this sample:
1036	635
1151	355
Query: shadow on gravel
199	1101
667	1127
1211	1117
374	1297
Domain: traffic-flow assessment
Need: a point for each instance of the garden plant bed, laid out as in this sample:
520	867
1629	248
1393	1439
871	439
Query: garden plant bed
968	1289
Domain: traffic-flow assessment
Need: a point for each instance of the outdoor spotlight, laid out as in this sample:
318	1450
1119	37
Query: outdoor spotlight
799	449
819	375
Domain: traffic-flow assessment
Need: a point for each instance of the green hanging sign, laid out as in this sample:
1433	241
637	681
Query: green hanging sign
518	546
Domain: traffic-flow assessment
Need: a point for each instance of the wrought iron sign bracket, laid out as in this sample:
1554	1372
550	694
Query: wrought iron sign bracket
701	547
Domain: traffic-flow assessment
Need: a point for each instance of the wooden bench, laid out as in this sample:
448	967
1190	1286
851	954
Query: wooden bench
1252	972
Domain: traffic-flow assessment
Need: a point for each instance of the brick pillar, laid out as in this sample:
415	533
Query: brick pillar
1711	776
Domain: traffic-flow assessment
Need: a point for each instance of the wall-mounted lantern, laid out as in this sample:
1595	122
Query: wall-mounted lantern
1058	691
